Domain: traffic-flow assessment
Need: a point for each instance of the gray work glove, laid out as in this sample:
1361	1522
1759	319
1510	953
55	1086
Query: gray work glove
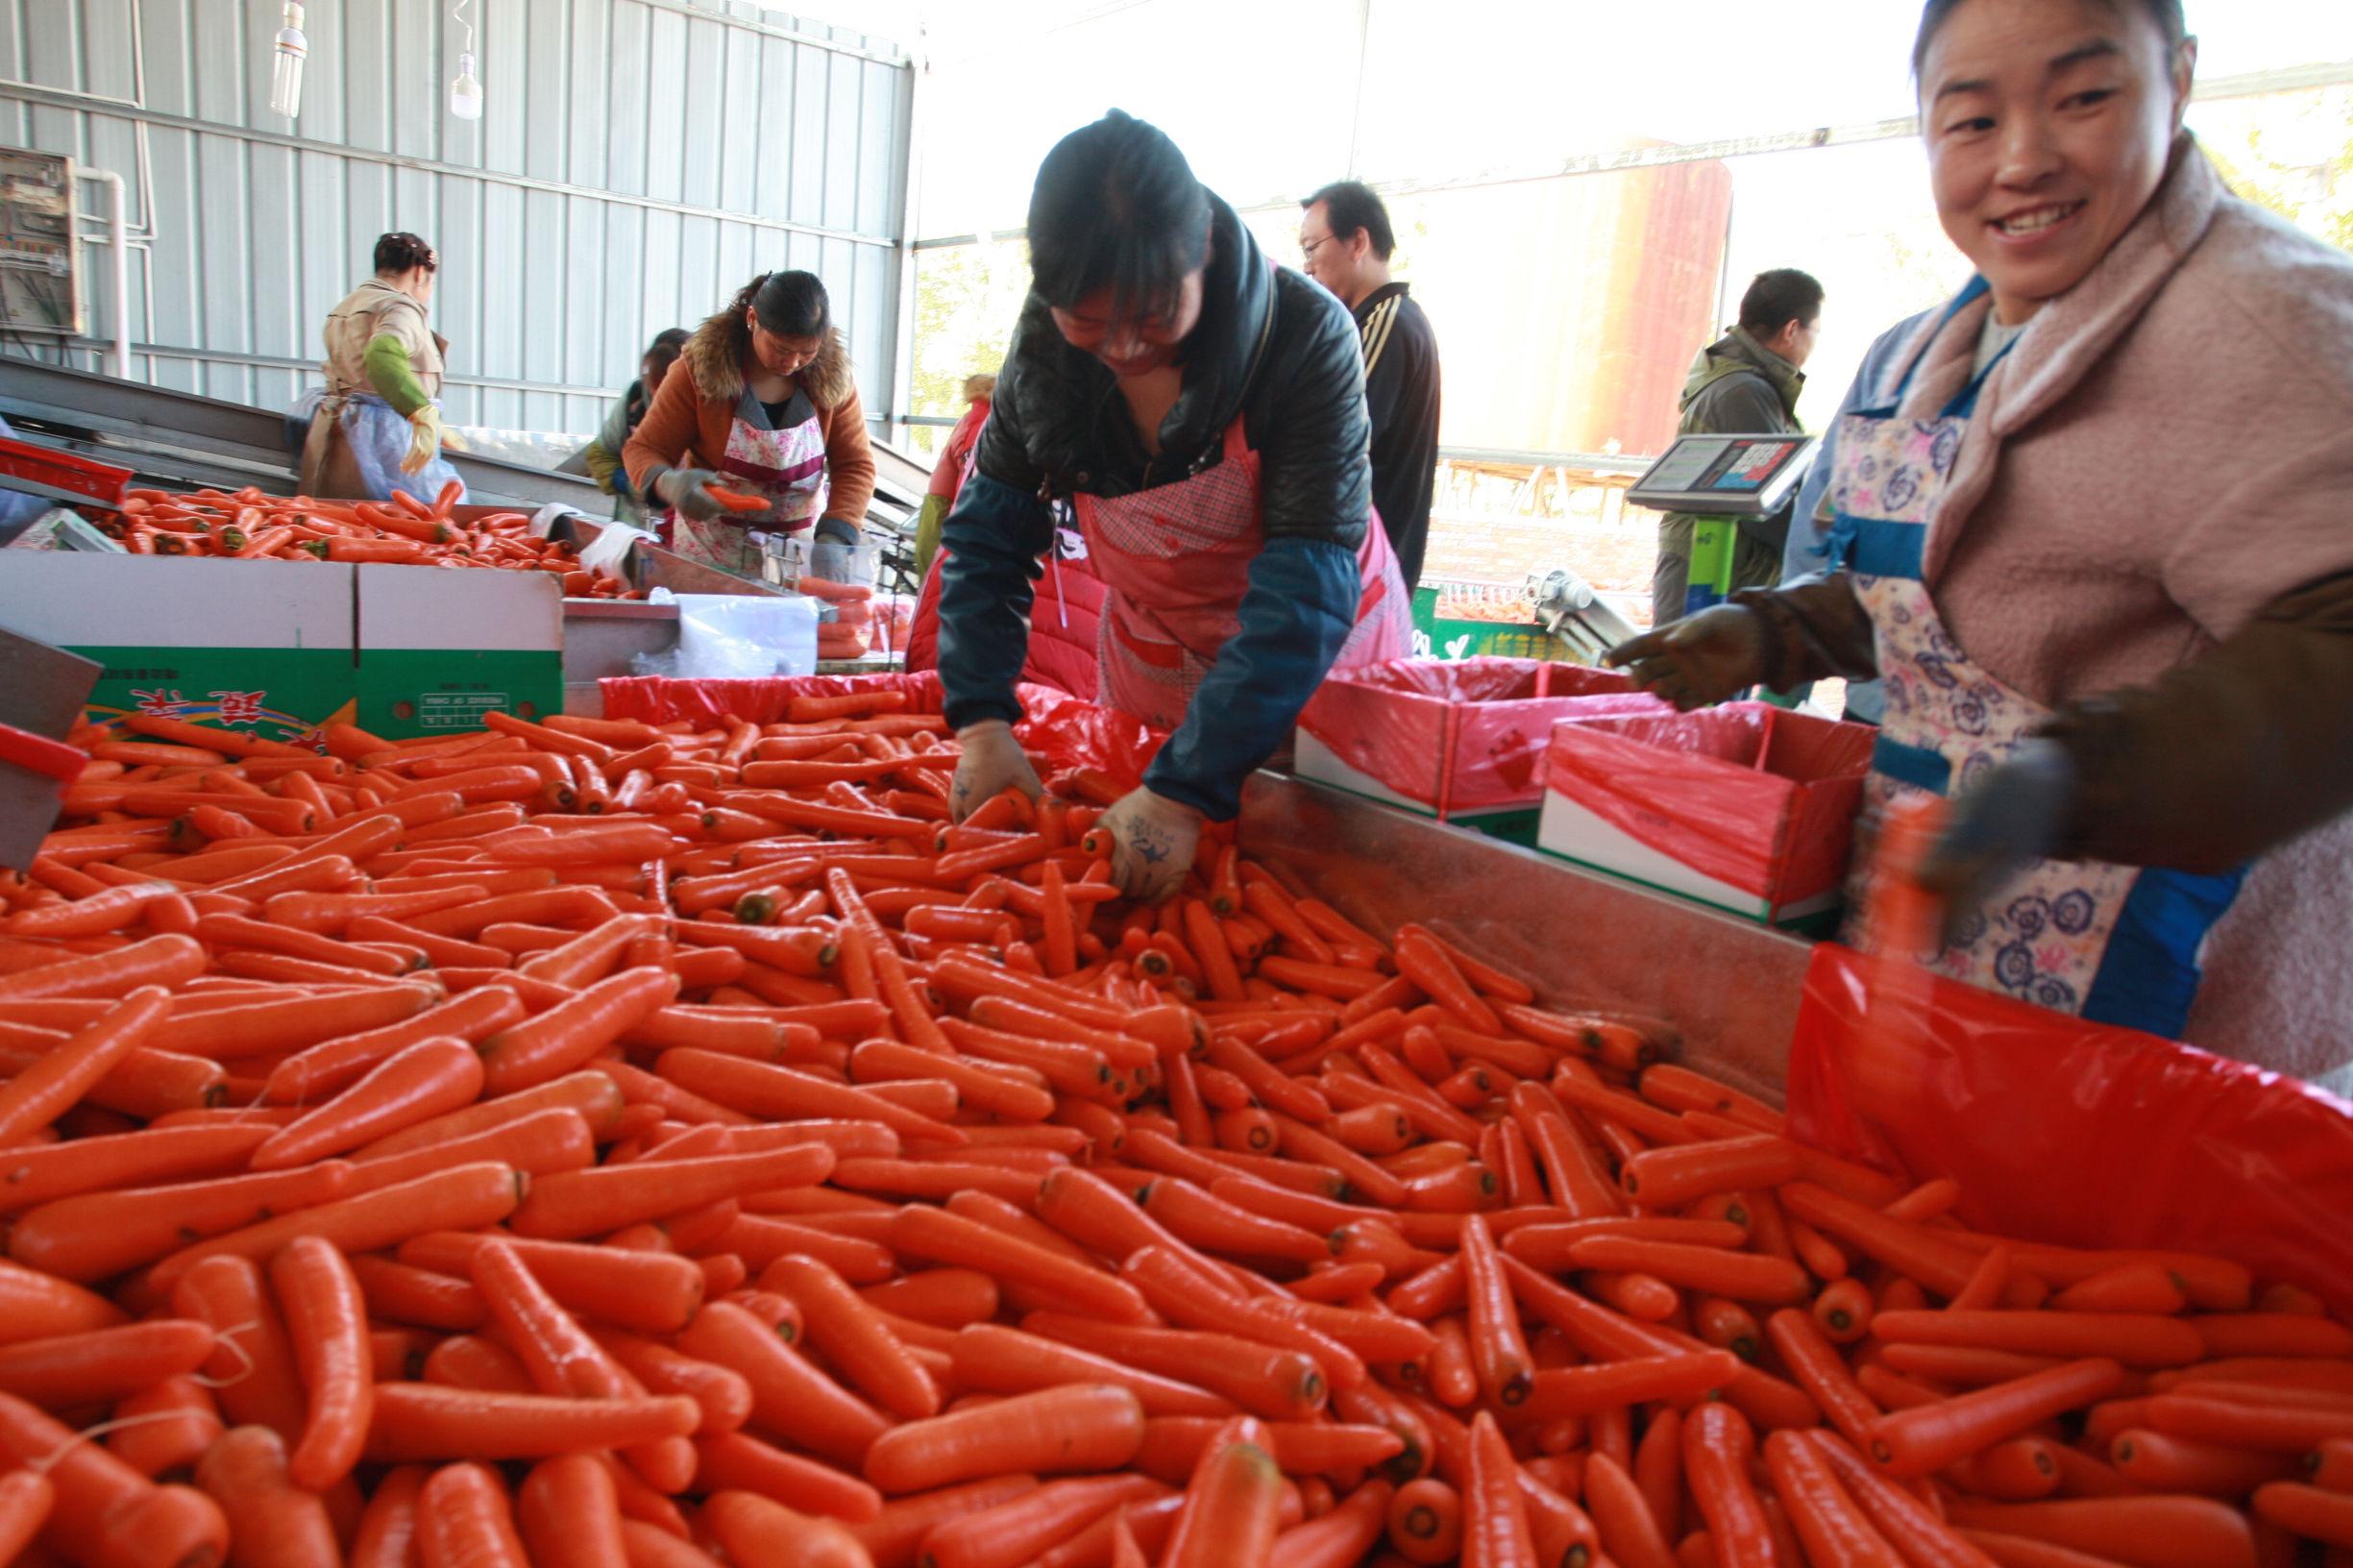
2015	814
993	761
1699	660
829	550
681	490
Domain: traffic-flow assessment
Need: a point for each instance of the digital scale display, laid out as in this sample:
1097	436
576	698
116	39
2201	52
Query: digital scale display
1733	475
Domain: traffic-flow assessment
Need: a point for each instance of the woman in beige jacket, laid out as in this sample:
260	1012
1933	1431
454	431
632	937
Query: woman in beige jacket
377	428
2096	533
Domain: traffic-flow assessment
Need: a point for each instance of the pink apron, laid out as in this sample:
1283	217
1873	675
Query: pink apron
1176	562
788	466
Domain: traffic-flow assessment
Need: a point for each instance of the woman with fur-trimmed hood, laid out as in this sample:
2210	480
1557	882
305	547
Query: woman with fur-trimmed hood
768	407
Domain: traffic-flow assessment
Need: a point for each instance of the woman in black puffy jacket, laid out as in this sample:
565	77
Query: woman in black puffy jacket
1204	412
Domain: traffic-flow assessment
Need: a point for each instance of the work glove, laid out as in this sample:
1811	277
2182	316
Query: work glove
681	490
993	763
2014	815
1153	840
424	439
829	550
1699	660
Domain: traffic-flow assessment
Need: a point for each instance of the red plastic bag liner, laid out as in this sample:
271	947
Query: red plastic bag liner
1462	736
2077	1134
1056	727
1752	796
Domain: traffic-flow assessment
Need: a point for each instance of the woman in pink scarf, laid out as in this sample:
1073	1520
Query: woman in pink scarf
2097	532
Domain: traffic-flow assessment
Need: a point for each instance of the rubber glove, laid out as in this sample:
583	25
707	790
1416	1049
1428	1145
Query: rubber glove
1154	838
681	488
424	439
1699	660
993	763
829	550
2015	813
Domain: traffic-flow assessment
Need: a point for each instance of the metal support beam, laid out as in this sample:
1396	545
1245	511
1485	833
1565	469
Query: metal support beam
2222	88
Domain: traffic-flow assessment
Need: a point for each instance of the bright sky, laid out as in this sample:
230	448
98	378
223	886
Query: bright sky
1261	93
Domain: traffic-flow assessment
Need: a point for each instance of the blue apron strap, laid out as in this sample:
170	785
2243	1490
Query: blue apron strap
2150	974
1876	548
1977	287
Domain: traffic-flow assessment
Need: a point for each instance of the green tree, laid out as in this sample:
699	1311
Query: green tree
2290	153
967	301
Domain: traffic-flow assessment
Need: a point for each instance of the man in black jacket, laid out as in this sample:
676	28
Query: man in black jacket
1346	240
1745	384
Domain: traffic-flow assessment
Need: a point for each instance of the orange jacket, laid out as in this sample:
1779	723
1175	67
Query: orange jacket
692	415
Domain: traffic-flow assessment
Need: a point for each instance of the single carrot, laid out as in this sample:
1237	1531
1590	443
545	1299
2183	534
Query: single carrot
272	1517
1719	1446
466	1521
1496	1531
571	1204
1425	1521
1229	1514
419	1421
2155	1532
1829	1523
430	1078
1081	1427
854	1337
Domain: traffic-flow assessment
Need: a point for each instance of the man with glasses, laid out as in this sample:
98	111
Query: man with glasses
1345	240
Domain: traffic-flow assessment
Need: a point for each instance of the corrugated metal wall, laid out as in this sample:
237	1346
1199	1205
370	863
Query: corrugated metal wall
636	162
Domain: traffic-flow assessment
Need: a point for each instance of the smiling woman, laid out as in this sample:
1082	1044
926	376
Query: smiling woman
2094	521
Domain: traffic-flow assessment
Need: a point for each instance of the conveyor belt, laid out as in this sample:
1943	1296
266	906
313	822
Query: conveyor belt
177	440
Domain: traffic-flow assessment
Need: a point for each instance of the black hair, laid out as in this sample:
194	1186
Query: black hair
1350	204
1777	298
2166	14
666	348
788	304
1116	207
398	251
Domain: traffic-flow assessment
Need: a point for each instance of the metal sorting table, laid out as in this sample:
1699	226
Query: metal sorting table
1731	987
178	440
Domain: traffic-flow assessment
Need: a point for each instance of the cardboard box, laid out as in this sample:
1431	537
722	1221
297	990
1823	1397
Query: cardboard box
278	648
1461	741
1748	807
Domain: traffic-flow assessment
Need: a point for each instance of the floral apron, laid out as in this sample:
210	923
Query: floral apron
2118	945
1176	562
788	466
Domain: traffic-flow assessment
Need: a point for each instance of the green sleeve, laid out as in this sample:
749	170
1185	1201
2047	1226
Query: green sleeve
602	465
389	373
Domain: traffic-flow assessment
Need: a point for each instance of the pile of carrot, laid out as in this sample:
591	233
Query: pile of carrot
247	524
851	631
593	1142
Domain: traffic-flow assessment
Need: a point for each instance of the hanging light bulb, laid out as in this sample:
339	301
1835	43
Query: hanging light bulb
465	92
286	69
465	89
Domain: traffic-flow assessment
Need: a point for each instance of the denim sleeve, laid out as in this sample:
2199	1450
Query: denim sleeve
1299	608
993	538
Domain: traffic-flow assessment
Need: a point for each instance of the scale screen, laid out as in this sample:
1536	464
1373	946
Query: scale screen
1725	475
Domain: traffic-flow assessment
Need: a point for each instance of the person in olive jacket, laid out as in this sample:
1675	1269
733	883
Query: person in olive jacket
1204	413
